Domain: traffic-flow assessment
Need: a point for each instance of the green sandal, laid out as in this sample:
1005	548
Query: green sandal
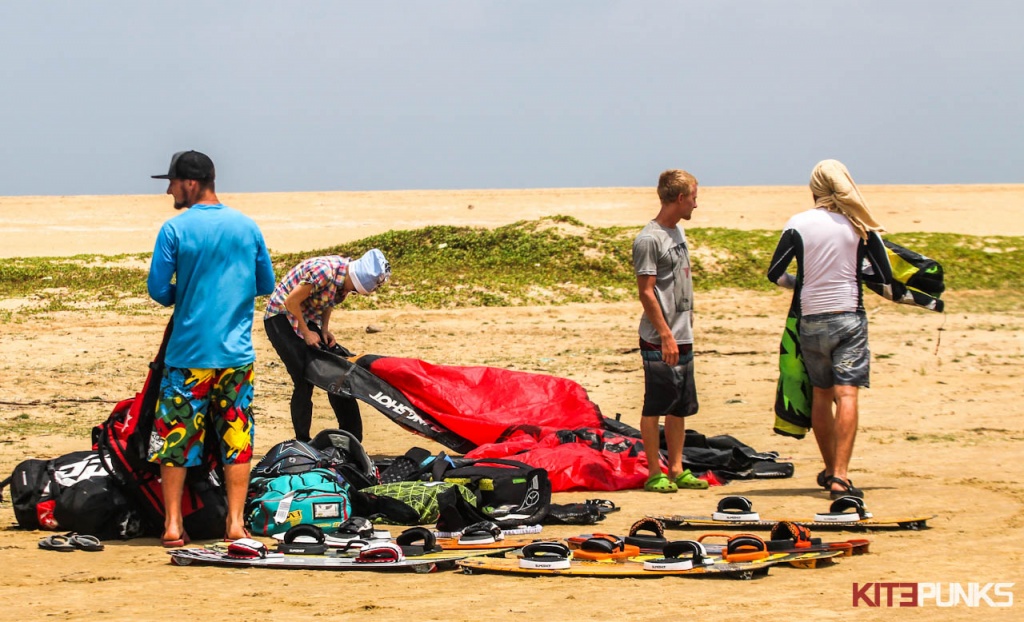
660	483
688	480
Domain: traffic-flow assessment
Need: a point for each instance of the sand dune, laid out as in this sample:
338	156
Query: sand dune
292	222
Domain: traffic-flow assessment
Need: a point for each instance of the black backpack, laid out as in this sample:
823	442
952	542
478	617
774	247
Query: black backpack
345	454
511	493
72	493
289	458
30	494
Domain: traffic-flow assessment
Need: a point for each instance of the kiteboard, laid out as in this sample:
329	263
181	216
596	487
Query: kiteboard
508	542
429	562
635	567
845	513
845	548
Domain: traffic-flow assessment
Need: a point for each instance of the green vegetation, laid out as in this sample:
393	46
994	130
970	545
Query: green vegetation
556	260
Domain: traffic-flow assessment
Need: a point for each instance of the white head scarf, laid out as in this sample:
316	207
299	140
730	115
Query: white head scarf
836	192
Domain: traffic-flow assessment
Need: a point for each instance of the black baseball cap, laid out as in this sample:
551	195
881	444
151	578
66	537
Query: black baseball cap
190	165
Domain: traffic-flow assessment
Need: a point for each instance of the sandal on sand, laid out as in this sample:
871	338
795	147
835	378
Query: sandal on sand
823	478
848	489
688	480
176	544
660	483
84	542
56	543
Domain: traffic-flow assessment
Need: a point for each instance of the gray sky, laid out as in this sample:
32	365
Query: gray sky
447	94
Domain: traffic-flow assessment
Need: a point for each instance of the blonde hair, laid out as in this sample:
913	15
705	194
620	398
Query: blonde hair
674	183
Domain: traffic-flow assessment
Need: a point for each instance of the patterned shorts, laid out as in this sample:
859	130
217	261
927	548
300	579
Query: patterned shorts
191	397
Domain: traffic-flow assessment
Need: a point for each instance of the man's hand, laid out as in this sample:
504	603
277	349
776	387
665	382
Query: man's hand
670	352
329	337
312	339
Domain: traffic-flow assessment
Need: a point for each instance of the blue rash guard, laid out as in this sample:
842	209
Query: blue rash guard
220	263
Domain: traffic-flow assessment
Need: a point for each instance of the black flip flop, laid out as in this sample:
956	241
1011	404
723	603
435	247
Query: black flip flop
84	542
56	543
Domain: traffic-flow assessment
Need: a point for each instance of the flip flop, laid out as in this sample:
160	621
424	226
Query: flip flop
660	483
85	542
688	480
56	543
227	539
178	543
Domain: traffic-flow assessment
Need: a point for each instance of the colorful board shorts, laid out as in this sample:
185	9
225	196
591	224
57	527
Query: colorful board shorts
668	390
189	398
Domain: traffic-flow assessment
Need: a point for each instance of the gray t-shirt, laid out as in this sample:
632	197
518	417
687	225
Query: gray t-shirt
661	252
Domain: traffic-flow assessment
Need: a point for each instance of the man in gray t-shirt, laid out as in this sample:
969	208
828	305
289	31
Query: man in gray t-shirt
661	261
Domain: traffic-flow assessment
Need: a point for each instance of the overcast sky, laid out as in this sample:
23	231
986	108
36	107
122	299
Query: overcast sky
447	94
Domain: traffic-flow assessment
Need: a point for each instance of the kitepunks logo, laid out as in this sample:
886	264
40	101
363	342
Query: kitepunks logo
932	594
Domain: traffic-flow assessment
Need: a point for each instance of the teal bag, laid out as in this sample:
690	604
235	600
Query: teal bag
318	497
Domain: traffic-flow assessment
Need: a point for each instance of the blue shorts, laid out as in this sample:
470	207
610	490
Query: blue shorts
835	349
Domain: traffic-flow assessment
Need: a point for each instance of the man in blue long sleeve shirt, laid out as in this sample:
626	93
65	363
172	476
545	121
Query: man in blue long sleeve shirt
210	262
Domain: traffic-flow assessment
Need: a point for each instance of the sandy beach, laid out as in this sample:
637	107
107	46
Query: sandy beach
940	431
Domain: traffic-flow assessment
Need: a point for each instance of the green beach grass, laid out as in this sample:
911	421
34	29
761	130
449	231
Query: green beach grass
552	261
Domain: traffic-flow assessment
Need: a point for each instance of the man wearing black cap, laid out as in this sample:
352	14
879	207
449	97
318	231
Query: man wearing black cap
210	262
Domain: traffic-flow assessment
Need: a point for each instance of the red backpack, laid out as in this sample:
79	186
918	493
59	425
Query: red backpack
123	440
